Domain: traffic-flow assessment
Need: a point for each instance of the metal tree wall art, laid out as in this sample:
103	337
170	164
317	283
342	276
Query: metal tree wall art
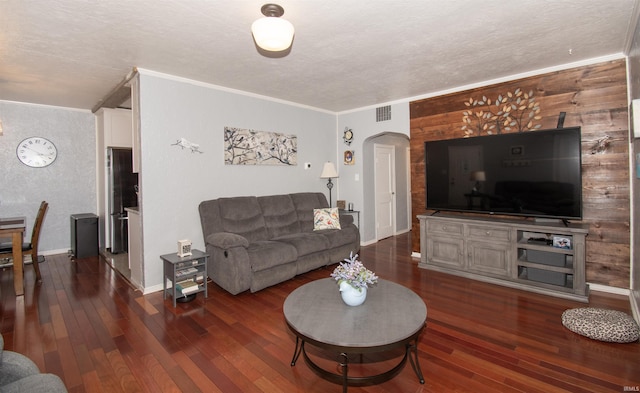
251	147
515	111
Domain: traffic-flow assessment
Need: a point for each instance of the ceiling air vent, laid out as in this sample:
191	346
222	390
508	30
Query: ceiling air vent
383	113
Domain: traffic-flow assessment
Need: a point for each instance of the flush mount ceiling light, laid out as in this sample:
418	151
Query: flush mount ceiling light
272	33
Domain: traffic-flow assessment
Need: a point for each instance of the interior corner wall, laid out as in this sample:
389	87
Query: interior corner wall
68	185
174	181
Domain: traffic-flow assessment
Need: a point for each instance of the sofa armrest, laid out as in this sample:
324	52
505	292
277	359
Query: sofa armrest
346	220
227	240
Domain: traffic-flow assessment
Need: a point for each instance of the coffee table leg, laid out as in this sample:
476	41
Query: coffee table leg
297	351
345	371
412	350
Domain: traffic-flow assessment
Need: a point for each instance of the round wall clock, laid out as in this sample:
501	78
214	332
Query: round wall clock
348	136
37	152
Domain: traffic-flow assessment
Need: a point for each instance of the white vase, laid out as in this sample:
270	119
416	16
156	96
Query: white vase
352	296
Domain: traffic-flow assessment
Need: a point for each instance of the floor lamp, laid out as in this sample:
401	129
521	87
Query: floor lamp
329	172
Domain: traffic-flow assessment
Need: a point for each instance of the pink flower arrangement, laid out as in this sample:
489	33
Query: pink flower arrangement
353	272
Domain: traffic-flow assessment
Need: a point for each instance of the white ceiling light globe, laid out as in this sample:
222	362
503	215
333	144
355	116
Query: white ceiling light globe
272	34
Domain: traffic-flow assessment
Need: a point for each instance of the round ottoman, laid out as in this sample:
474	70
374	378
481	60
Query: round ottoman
601	324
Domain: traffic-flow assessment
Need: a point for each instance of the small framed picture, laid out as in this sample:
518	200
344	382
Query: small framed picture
341	204
348	157
517	150
562	242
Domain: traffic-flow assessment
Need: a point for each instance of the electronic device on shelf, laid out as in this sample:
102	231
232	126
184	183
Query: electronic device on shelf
184	248
540	240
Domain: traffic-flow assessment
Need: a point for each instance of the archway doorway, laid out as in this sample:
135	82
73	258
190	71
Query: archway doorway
401	172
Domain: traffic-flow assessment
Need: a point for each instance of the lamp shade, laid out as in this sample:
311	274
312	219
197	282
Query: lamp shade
329	171
478	176
272	33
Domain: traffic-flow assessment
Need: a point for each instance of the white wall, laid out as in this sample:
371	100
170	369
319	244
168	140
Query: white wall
364	125
174	181
69	184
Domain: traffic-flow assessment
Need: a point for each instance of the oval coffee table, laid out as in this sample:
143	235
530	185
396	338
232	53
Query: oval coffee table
392	316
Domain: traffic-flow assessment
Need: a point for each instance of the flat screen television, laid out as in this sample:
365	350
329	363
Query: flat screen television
531	173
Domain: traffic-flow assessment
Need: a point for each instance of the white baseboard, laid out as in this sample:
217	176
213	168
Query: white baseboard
608	289
55	252
154	288
368	243
374	241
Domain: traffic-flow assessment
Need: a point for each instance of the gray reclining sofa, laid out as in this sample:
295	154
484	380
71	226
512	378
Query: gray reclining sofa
257	242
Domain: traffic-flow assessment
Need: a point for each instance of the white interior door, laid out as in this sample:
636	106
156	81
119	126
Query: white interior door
385	190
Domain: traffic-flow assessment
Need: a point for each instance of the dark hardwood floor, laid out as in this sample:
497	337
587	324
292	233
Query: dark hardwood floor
87	325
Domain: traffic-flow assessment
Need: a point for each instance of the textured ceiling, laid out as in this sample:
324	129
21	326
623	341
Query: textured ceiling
345	55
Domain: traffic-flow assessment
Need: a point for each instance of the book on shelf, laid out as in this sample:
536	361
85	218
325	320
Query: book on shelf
180	265
186	272
190	290
186	287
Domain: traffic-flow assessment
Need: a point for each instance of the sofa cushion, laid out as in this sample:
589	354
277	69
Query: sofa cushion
326	218
340	237
267	254
280	215
243	216
306	242
305	202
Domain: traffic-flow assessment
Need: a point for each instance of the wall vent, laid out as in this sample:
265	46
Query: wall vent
383	113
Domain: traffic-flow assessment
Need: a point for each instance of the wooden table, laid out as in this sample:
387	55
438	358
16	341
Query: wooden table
392	316
15	226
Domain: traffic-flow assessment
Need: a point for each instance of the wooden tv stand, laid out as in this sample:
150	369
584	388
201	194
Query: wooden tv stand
515	253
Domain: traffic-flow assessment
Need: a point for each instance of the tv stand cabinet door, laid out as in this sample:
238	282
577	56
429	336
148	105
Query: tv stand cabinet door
446	252
490	259
444	243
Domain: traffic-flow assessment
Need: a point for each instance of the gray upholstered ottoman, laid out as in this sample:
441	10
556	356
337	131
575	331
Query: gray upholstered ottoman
601	324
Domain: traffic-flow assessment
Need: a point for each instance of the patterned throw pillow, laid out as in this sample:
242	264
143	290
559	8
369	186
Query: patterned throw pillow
327	218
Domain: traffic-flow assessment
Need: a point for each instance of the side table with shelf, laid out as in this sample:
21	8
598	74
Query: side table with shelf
353	213
177	269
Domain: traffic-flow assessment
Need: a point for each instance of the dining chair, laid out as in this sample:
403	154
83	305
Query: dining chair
30	248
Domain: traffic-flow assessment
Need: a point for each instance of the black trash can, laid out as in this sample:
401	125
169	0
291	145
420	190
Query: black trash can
84	235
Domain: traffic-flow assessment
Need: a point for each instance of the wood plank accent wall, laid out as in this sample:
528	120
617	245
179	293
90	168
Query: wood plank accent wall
594	98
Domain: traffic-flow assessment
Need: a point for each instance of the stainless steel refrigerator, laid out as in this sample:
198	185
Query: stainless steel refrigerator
122	193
